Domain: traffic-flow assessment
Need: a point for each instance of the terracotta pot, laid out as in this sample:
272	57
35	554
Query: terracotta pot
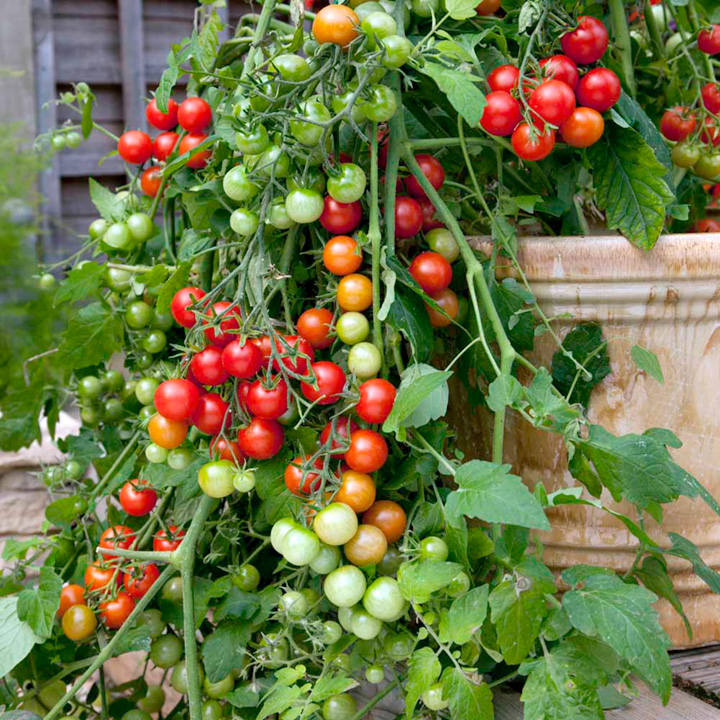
668	301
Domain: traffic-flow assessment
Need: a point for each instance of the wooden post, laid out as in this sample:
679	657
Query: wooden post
132	54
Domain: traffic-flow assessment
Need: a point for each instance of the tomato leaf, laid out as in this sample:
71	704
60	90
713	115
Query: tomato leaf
423	670
174	283
647	361
137	639
461	9
82	282
419	581
106	202
407	315
465	616
243	697
92	336
38	607
224	649
16	637
461	90
685	549
467	698
64	510
331	684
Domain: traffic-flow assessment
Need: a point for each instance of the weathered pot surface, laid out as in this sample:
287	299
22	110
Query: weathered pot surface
668	301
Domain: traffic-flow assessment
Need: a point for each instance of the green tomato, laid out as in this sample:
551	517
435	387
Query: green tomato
277	215
58	142
345	616
244	481
220	688
179	679
685	155
244	222
364	625
397	50
389	7
47	281
141	227
300	546
708	166
341	101
433	698
343	662
345	586
279	532
237	186
274	159
378	25
326	560
73	470
52	692
136	715
89	388
154	342
146	413
179	458
292	68
152	618
331	632
274	650
434	548
383	599
443	242
166	651
339	707
211	710
247	578
73	139
348	185
312	596
97	228
295	604
112	381
252	141
335	524
113	410
172	590
364	360
145	390
90	416
459	586
118	280
308	133
291	415
162	321
368	8
425	8
375	674
313	179
398	646
153	700
380	105
304	206
352	327
216	478
118	237
144	361
138	315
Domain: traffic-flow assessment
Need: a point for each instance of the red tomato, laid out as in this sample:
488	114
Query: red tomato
261	439
560	67
340	218
137	499
315	326
138	581
587	43
341	255
166	433
161	120
164	542
677	124
504	77
553	101
135	147
295	354
151	180
428	213
268	402
706	225
224	449
368	451
115	612
599	89
377	397
211	414
194	114
294	480
389	517
181	303
711	132
330	380
488	7
584	128
264	344
221	333
242	393
116	536
164	145
530	144
357	490
207	366
99	576
341	431
176	399
711	97
432	169
242	359
448	301
431	271
709	40
408	217
70	595
501	114
199	159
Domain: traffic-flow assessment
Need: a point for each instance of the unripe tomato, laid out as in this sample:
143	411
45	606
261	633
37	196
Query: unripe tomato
345	586
408	217
300	546
218	689
162	120
531	144
389	517
348	185
179	678
340	441
332	632
181	304
584	128
172	590
188	144
397	50
329	382
560	67
216	478
459	585
279	532
252	141
247	578
304	206
261	439
383	598
70	595
434	548
115	612
364	360
352	328
135	147
295	604
599	89
336	524
433	698
154	699
194	114
588	42
326	560
315	326
237	186
156	454
379	104
355	292
501	114
167	433
341	255
138	581
449	302
137	499
377	398
554	101
162	542
336	24
368	451
443	242
364	625
78	623
366	547
340	218
299	478
391	562
357	491
138	314
244	222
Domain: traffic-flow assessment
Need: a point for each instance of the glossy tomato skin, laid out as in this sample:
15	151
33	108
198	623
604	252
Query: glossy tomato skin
181	302
504	77
368	451
177	399
432	169
70	595
337	24
211	414
190	142
242	359
161	120
268	401
137	500
588	42
449	302
367	547
295	353
224	449
377	397
488	7
135	147
341	255
116	536
430	222
599	89
583	128
341	429
354	293
138	581
357	490
330	380
389	517
167	433
711	97
150	181
711	132
261	439
315	326
207	366
676	124
99	576
408	217
294	480
560	67
194	114
79	622
709	40
531	144
553	101
340	218
115	612
501	114
221	333
431	271
162	542
164	144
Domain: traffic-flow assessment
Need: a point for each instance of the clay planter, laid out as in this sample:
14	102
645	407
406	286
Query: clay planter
667	300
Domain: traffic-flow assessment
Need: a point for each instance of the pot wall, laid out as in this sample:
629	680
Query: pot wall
668	301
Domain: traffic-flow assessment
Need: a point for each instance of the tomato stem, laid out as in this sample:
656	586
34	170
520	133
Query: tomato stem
622	42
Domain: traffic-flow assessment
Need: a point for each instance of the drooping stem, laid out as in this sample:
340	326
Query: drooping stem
622	42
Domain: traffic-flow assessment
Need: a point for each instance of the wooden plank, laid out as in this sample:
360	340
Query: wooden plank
107	108
132	59
87	48
698	671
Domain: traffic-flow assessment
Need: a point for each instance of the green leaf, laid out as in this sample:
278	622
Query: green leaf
418	581
19	426
461	9
193	243
331	684
630	185
546	407
106	202
63	511
176	281
16	637
407	315
623	617
647	361
417	468
224	649
92	336
461	90
281	698
154	277
468	699
423	671
38	607
82	447
243	698
137	639
238	605
504	391
529	15
683	548
466	615
163	476
82	282
487	491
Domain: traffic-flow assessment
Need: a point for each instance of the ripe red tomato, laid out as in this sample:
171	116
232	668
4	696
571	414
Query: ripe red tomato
115	612
167	433
242	359
337	24
138	581
223	449
294	475
119	537
295	353
599	89
207	366
70	595
408	217
176	399
428	213
553	101
706	225
194	114
504	77
261	439
488	7
677	124
432	169
151	180
368	451
168	541
161	120
330	380
264	344
315	326
99	576
221	333
340	218
711	97
211	414
137	499
587	43
341	430
357	490
242	393
135	147
377	397
431	271
531	144
389	517
709	40
341	255
584	128
560	67
199	159
181	302
711	132
501	114
448	301
268	402
164	145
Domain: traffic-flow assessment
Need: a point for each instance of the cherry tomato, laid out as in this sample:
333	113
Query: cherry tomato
553	101
383	598
368	451
408	217
340	218
261	439
709	40
706	225
357	491
151	180
348	185
247	578
366	547
136	499
599	89
335	524
207	366
531	144
181	303
138	581
711	131
685	155
442	241
583	128
188	144
352	328
341	255
223	449
116	536
268	402
264	344
135	146
428	213
98	577
711	97
433	698
242	359
345	586
300	546
587	43
70	595
299	480
162	542
431	271
221	333
162	120
488	7
397	50
501	114
194	114
167	433
341	430
295	353
560	67
336	24
237	186
389	517
330	380
165	144
449	302
79	623
176	399
354	293
115	612
432	169
677	124
377	397
504	77
315	326
216	478
211	414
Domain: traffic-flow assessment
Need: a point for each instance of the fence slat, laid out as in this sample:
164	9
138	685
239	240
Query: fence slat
132	56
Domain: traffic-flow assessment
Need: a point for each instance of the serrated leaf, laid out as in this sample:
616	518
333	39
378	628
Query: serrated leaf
153	277
106	202
461	9
243	697
423	670
489	492
504	391
282	698
685	549
461	90
63	511
407	316
137	639
465	616
16	637
38	607
529	15
418	581
224	649
331	684
82	282
92	336
176	281
467	698
647	361
238	605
